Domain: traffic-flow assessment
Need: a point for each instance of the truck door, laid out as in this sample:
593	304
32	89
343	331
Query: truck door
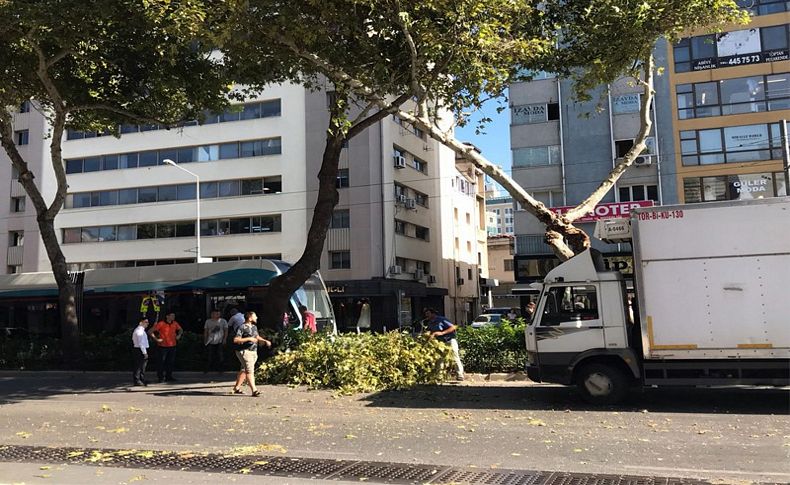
569	322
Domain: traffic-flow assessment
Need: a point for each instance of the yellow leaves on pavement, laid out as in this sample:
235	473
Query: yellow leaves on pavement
255	449
23	434
118	430
104	409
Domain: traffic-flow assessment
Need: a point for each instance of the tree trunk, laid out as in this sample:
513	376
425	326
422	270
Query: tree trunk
67	294
281	288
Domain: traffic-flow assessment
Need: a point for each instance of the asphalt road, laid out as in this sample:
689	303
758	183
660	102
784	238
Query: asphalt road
735	436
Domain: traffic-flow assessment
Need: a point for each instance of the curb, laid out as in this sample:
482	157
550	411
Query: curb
498	377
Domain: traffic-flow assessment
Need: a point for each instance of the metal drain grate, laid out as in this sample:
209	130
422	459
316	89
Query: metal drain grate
373	472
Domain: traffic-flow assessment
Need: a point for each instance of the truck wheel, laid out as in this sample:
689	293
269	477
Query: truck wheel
602	384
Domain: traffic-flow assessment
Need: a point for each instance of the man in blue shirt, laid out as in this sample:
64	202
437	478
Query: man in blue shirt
443	329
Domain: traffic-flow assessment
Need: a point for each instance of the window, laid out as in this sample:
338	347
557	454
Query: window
400	227
420	165
272	185
339	259
16	238
752	94
734	48
228	150
186	191
508	265
24	107
342	178
168	193
17	204
22	137
252	187
621	147
340	219
127	233
422	233
148	159
763	7
535	113
209	190
536	156
734	187
14	269
420	199
731	144
638	192
570	304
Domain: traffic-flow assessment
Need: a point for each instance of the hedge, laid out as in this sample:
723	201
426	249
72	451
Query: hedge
493	348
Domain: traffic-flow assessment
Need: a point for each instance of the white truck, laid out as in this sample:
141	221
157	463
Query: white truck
711	303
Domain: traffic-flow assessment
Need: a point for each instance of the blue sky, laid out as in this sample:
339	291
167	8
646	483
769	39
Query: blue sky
494	141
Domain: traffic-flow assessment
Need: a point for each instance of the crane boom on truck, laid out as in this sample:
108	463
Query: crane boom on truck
711	303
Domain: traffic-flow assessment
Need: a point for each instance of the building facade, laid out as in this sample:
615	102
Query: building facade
729	93
257	165
500	214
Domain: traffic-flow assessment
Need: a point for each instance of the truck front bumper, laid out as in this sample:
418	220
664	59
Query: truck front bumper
533	372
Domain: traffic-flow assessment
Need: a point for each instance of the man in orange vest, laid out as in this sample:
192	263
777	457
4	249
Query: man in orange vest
166	333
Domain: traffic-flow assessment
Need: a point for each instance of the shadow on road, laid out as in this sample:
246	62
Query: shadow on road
548	398
25	386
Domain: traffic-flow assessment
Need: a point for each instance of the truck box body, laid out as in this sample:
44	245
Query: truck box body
713	280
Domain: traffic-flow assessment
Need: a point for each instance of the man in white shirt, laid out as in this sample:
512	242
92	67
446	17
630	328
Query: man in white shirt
215	334
140	353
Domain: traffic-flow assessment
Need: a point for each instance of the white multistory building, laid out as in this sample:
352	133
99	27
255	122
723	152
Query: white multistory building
405	234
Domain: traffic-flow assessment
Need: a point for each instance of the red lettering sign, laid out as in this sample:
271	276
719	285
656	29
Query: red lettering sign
607	211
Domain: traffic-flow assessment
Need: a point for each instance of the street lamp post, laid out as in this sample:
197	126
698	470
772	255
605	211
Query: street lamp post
167	161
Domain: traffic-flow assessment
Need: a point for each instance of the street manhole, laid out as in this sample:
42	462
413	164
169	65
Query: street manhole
323	469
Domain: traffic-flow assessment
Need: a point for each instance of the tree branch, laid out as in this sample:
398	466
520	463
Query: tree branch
56	153
640	143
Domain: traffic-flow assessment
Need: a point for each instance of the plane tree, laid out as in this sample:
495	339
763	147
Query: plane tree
430	61
93	65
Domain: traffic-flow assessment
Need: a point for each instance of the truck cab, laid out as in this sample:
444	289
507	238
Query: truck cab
582	330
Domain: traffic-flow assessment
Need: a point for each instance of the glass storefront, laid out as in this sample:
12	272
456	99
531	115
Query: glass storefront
734	187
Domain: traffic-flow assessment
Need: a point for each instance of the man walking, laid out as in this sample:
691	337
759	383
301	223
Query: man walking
140	353
215	334
441	328
246	343
166	333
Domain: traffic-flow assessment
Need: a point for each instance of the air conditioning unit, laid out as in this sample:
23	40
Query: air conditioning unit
431	279
460	281
395	269
401	198
400	161
410	203
643	161
419	274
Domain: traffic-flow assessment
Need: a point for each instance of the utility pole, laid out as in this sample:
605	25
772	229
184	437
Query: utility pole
785	155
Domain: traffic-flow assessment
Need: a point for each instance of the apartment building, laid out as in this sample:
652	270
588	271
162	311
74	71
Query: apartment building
729	93
500	214
256	165
406	232
563	148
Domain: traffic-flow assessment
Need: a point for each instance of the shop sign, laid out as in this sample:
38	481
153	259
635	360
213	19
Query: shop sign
626	103
606	211
740	48
335	289
529	113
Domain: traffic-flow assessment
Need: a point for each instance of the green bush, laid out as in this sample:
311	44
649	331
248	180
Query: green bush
354	363
493	348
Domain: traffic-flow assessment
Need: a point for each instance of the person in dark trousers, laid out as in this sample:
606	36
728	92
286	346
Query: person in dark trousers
166	333
443	329
140	353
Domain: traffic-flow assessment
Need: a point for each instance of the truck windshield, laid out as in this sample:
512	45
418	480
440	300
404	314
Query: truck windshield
570	304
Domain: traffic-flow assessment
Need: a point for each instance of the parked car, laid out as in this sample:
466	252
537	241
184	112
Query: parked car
497	311
487	319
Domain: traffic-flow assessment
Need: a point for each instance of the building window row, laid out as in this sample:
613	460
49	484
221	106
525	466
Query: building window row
402	158
165	193
737	48
171	229
152	158
237	112
638	192
160	262
734	187
413	266
763	7
753	94
404	193
412	230
409	128
464	186
536	156
732	144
